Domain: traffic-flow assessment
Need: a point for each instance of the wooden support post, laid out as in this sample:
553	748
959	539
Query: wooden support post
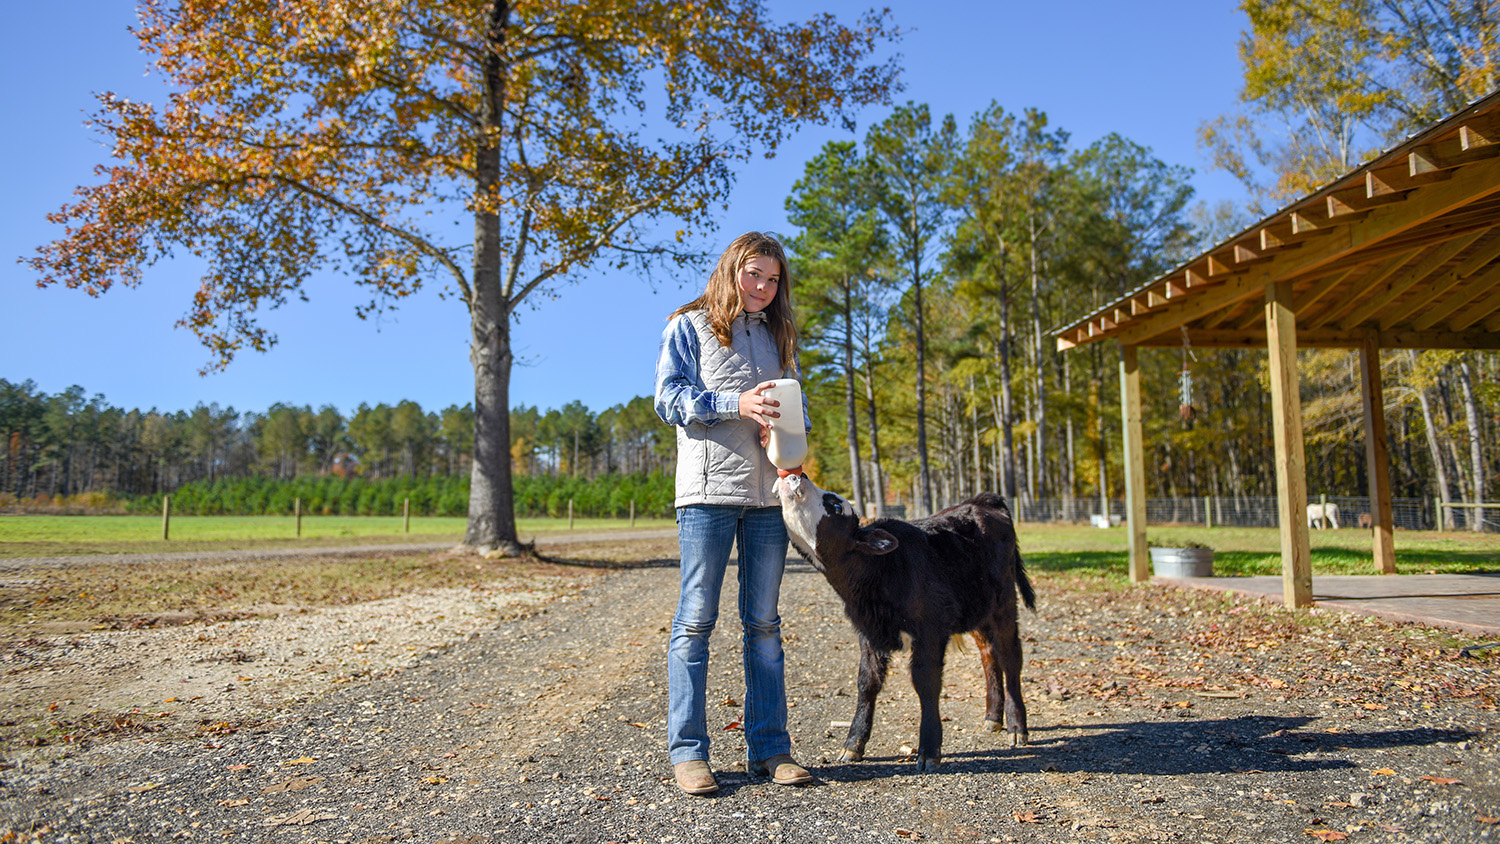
570	514
1291	463
632	512
1135	464
1208	511
1377	458
297	508
166	517
406	515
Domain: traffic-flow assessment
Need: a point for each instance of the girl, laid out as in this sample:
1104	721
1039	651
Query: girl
718	355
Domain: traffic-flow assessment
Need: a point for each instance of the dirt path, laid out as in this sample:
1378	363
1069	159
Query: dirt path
1156	715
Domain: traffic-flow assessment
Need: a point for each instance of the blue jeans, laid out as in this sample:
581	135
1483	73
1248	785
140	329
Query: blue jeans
704	535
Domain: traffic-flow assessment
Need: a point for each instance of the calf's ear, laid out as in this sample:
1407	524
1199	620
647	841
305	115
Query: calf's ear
875	541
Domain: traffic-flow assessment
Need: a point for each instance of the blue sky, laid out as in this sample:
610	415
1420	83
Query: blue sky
1151	71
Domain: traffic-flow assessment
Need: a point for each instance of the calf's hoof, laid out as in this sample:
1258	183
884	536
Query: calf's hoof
847	755
929	764
992	726
1019	738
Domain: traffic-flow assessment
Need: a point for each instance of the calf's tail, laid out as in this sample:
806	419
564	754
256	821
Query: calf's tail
1023	583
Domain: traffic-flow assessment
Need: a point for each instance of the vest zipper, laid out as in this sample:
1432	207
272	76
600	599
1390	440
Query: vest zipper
760	469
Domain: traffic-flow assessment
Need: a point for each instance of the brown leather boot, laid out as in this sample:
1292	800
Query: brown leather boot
781	768
694	777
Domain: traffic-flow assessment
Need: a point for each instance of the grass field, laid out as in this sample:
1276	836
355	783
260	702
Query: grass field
1238	551
1257	551
65	536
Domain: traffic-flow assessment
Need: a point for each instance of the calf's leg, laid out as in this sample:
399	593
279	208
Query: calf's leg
1010	663
993	681
927	678
873	665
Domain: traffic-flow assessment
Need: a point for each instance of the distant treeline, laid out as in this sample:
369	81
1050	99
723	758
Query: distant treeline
330	495
72	447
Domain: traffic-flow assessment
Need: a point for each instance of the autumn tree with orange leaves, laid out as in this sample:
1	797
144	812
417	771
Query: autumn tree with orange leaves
304	137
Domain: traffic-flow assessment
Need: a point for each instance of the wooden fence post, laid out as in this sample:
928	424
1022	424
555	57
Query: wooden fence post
1208	511
570	514
632	512
406	515
166	517
297	508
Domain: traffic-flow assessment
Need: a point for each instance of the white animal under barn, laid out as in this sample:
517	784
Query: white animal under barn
1323	515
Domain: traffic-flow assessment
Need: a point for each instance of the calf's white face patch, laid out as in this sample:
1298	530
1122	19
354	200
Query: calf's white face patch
803	507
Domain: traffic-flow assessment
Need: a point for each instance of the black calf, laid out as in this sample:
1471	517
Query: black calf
954	572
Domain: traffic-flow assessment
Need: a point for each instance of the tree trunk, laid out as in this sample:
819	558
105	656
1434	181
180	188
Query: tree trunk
1007	397
1444	516
879	479
1039	347
492	517
1070	484
978	446
926	471
1101	447
1476	453
851	411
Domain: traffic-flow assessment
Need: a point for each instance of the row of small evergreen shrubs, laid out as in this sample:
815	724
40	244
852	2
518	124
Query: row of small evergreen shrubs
605	496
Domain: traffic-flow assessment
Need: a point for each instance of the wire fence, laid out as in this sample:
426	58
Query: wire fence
1245	511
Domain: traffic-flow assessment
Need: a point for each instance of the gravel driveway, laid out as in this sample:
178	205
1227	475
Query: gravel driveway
1155	714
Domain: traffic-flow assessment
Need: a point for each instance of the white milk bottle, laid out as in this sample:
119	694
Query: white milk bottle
788	446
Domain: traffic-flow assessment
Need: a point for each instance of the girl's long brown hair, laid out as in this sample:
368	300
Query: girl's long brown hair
721	298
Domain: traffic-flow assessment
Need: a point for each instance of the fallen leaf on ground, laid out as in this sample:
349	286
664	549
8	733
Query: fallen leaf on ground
1027	817
733	725
300	760
1443	780
238	767
1382	772
150	786
1326	834
637	724
434	780
1486	819
240	802
301	817
293	784
906	833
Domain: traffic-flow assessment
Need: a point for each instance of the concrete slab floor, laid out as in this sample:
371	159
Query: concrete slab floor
1469	603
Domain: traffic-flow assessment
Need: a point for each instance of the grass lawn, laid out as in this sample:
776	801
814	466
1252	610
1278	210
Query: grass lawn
62	536
1257	551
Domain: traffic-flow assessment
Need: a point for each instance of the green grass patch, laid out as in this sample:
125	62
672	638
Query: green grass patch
1241	552
65	536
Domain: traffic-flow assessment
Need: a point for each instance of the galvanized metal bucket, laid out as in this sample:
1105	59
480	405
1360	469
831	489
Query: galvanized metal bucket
1182	562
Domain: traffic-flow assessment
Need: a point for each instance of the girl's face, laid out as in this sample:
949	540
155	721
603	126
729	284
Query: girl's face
759	278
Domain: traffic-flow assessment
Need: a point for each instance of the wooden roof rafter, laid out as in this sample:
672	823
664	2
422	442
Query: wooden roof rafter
1401	248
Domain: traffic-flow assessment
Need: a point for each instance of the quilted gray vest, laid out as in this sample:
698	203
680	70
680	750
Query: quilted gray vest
724	463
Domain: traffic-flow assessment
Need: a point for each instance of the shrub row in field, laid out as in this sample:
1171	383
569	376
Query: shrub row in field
543	495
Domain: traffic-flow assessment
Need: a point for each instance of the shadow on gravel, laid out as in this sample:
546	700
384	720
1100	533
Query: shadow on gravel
1165	748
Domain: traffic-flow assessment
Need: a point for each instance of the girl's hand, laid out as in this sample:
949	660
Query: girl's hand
765	435
754	405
